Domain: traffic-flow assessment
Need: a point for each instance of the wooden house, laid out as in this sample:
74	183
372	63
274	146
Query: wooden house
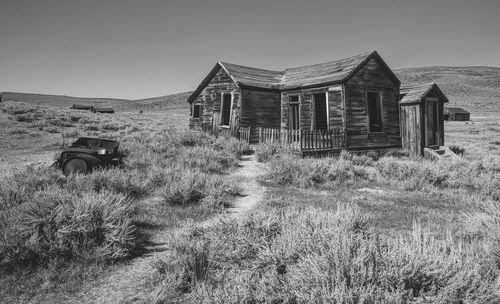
102	107
345	104
457	114
421	110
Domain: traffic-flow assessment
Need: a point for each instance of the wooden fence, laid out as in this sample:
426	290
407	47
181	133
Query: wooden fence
304	140
240	133
244	134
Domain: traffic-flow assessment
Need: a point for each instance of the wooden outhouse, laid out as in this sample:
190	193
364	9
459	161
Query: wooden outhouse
457	114
421	111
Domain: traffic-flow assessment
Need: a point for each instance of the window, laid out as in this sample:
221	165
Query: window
320	114
226	109
374	103
293	116
196	111
293	112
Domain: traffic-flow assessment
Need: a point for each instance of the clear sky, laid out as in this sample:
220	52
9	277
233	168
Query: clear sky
145	48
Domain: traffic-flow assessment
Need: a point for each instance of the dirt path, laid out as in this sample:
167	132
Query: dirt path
128	283
252	191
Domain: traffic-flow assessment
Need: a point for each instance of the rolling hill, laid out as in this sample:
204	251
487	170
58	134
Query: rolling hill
168	102
475	88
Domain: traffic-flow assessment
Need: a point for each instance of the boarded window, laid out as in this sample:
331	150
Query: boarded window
374	111
293	116
320	115
196	111
293	112
226	109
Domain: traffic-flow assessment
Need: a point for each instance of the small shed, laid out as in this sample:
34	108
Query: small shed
102	108
457	114
421	114
85	107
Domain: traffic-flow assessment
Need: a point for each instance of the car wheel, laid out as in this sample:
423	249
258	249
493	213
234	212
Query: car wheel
75	165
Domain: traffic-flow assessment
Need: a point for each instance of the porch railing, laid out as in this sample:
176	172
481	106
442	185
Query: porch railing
240	133
304	140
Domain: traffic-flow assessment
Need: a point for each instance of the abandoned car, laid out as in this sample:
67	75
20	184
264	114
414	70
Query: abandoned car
87	154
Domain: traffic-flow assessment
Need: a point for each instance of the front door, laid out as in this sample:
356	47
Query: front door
431	123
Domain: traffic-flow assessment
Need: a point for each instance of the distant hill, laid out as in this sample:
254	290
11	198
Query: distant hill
61	101
475	88
174	101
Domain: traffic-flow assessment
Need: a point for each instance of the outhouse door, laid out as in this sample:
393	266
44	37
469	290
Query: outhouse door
431	122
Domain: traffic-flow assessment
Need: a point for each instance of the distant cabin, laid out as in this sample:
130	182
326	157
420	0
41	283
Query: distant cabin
421	109
86	107
104	107
457	114
352	104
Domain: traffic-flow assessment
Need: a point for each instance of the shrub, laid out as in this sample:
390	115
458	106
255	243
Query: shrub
292	170
485	223
74	133
57	224
128	183
18	131
306	255
192	138
52	129
25	118
264	152
232	145
207	159
186	187
457	150
359	160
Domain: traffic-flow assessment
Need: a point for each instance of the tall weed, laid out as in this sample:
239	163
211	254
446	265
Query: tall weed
303	255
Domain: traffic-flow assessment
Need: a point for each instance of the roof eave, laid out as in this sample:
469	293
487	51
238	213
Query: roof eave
204	82
310	86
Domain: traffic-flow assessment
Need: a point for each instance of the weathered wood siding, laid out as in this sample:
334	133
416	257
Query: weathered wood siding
260	108
371	77
411	131
306	108
210	101
336	108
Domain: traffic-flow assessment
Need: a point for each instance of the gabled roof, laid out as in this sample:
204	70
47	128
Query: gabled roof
295	78
253	77
416	93
457	110
331	72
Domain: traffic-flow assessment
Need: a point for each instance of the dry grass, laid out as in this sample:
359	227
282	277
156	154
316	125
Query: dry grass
302	255
69	225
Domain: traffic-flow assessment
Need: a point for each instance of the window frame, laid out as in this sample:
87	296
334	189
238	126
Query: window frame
294	103
327	111
194	111
381	112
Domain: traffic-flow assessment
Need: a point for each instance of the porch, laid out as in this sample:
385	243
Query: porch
305	141
299	141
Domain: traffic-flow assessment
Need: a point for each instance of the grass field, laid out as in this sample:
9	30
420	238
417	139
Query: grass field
348	229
